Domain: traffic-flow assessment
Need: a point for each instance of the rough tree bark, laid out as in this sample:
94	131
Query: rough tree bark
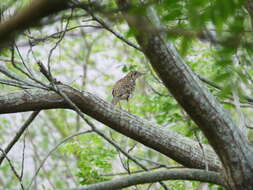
28	17
154	176
224	136
180	148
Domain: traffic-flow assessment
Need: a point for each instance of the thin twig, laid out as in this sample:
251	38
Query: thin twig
106	26
36	157
158	93
29	74
151	161
13	83
13	169
23	62
15	77
150	185
57	34
233	104
6	59
213	84
57	43
23	159
52	150
19	134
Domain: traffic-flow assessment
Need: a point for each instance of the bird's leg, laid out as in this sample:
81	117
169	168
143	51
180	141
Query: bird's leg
119	105
128	106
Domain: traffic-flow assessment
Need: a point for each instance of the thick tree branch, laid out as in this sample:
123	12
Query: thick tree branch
154	176
184	150
29	16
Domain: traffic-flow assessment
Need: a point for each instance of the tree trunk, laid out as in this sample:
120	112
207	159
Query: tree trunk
224	136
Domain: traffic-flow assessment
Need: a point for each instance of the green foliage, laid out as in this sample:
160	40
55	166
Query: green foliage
176	185
128	68
226	20
184	23
94	158
250	135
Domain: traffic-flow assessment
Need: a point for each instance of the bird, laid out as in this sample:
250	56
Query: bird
124	88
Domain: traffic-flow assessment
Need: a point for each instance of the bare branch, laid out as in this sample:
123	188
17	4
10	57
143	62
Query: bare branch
19	134
57	34
57	43
154	176
106	26
13	169
51	151
29	16
214	85
140	171
13	83
17	78
23	158
6	59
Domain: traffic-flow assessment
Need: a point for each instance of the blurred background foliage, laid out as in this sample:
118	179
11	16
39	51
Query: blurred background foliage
213	37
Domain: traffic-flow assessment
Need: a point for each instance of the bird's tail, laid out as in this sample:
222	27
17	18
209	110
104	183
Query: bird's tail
115	100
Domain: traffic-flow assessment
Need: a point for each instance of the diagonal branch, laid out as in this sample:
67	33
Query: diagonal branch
180	148
18	135
13	169
51	152
17	79
27	17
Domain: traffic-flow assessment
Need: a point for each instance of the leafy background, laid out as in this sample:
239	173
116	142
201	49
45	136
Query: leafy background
214	39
